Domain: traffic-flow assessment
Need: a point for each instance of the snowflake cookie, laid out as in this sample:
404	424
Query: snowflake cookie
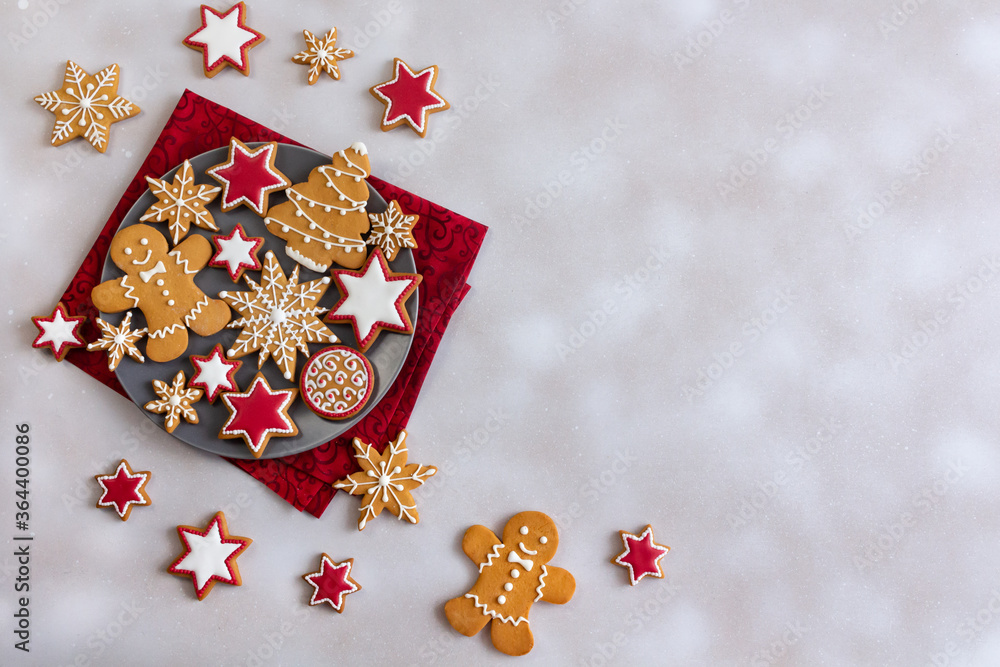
512	576
87	106
123	489
174	400
58	332
332	583
385	480
409	98
248	176
181	203
224	39
118	341
258	414
322	54
641	556
392	231
209	555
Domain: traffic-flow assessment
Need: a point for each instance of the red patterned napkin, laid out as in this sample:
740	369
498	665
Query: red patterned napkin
448	244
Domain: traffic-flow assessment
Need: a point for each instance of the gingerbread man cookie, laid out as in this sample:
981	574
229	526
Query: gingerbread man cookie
160	283
512	576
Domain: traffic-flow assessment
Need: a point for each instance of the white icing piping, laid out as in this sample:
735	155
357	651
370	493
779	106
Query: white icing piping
541	585
162	333
183	263
490	557
129	292
490	612
349	245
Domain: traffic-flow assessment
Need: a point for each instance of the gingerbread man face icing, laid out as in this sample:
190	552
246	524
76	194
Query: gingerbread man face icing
160	282
513	575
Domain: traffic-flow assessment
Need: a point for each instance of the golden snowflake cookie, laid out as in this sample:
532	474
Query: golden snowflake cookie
182	203
322	54
118	341
392	231
175	401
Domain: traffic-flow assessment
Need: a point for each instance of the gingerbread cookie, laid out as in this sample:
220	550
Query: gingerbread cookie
248	176
58	332
87	106
123	490
322	54
237	252
224	39
209	555
181	203
513	575
409	98
258	414
324	218
332	583
337	382
641	556
174	400
118	341
392	230
214	374
160	283
373	299
385	481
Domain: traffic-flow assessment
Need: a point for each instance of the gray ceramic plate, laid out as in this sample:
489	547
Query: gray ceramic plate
386	354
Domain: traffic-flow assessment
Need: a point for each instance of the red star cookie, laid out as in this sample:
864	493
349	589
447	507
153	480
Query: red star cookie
58	332
237	252
332	582
123	489
258	414
642	555
224	39
373	299
209	555
249	176
214	373
409	98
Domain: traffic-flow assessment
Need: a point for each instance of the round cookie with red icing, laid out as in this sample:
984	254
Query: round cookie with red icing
337	382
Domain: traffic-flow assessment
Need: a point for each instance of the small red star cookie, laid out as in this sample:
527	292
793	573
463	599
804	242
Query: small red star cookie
248	176
392	230
322	54
258	414
181	203
175	402
332	583
87	106
409	98
373	299
209	555
119	341
214	373
642	555
237	252
58	332
224	39
123	489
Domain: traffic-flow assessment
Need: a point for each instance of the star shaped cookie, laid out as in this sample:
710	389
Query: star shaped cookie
409	98
332	583
258	414
248	176
322	54
224	39
214	374
209	555
641	556
237	252
58	332
123	489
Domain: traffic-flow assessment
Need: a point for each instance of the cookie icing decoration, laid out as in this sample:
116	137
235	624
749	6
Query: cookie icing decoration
258	414
209	555
175	402
513	575
123	490
324	218
237	252
87	106
337	382
278	317
248	176
392	230
373	299
322	54
409	98
214	374
160	283
332	583
181	203
641	556
118	341
386	480
58	332
224	39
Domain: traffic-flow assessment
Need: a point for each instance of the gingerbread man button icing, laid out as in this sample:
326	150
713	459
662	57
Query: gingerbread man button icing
160	283
513	575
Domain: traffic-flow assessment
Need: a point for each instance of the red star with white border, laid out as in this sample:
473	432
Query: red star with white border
214	373
249	176
258	414
237	252
58	332
209	555
373	298
123	489
642	555
224	39
332	583
409	98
